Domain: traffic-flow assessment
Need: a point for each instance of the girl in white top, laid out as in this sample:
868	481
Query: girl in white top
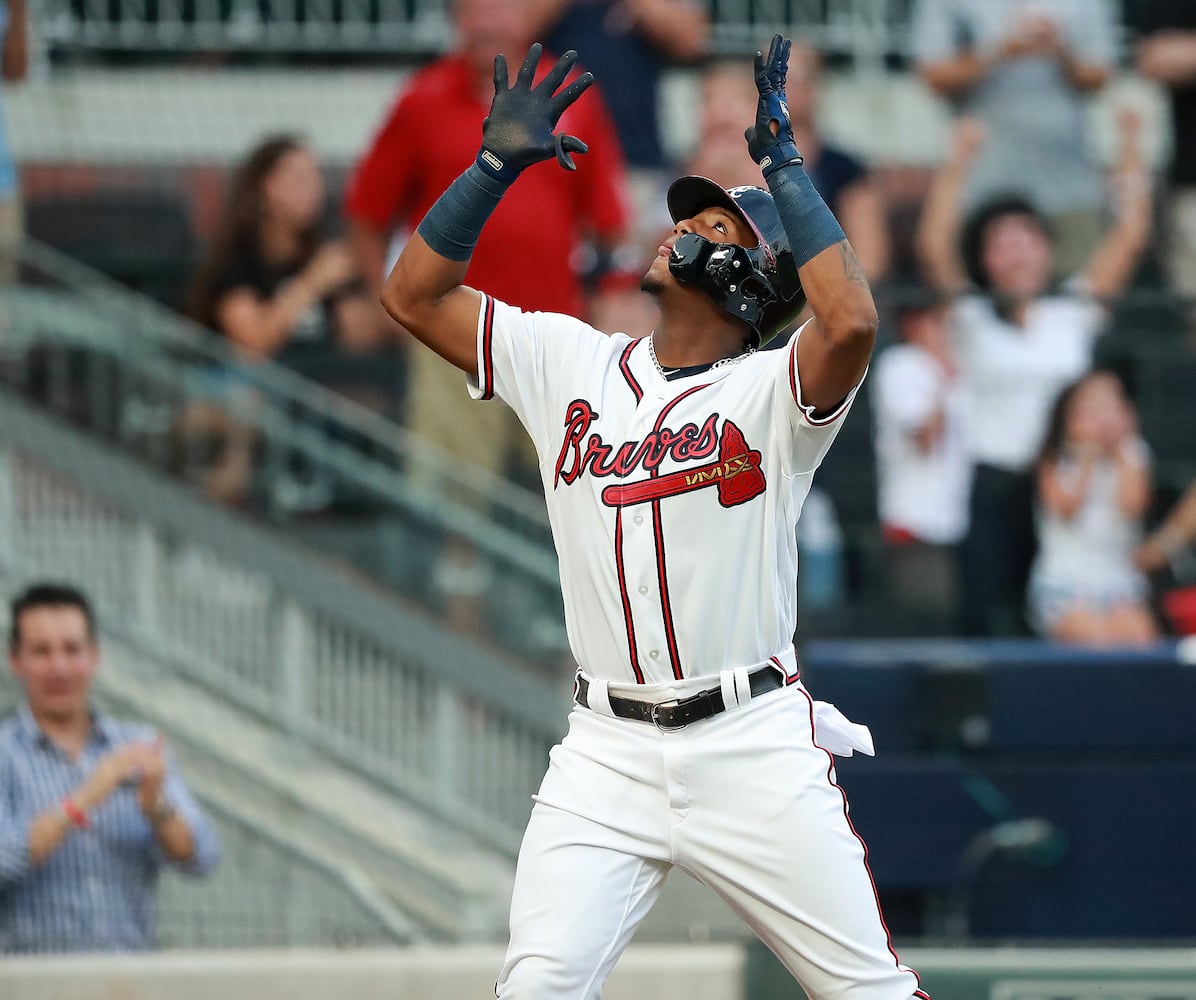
1093	489
1019	340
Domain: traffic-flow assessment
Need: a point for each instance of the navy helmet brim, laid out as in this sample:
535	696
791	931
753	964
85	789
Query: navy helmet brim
689	195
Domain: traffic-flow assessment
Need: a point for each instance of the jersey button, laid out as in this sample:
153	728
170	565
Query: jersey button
655	654
643	589
639	518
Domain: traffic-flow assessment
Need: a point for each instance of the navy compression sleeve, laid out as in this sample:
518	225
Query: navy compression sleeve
809	224
453	225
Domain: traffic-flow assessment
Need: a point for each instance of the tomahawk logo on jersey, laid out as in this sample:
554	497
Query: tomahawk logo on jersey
653	482
585	452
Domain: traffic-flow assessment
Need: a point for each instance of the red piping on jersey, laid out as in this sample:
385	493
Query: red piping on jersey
487	348
666	609
662	577
625	368
627	619
816	421
790	678
830	772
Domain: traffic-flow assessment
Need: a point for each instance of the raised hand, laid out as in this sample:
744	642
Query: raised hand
519	130
770	140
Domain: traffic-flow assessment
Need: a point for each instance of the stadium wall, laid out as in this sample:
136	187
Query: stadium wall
708	972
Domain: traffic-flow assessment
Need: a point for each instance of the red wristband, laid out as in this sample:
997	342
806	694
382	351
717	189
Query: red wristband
76	815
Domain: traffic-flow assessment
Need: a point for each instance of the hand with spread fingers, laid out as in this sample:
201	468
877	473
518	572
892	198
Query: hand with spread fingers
771	147
519	130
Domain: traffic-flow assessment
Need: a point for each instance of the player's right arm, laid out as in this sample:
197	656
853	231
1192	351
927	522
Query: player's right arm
424	291
425	294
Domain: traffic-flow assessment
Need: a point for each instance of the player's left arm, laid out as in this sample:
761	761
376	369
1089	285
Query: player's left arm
833	352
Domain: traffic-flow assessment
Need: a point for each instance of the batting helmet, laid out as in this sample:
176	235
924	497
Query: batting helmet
759	284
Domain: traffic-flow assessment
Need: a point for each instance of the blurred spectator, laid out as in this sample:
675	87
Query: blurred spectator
627	45
1167	54
922	462
729	99
841	178
276	288
1172	537
14	63
1093	490
91	807
547	215
822	579
269	281
1025	69
1018	340
1168	556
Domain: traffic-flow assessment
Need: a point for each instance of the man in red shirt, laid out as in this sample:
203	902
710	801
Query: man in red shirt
529	252
398	179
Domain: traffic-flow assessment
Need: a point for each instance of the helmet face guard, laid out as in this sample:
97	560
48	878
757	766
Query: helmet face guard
759	284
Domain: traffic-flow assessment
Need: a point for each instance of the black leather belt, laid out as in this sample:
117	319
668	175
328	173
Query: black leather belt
680	712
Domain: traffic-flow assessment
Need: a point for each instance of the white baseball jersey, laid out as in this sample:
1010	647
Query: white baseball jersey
672	503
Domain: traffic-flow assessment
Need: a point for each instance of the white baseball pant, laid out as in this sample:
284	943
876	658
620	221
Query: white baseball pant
746	803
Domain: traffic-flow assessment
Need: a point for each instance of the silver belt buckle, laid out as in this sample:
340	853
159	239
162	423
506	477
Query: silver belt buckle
654	715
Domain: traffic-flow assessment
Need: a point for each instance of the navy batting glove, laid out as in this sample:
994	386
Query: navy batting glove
519	129
772	151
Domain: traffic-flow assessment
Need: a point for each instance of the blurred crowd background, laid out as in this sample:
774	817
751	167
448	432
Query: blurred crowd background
295	533
254	168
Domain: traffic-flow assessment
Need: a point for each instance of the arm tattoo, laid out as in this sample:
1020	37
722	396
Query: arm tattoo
851	265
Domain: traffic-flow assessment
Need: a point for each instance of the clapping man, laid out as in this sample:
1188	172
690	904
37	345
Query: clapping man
90	806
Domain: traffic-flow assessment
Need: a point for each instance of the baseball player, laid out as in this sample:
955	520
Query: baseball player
675	467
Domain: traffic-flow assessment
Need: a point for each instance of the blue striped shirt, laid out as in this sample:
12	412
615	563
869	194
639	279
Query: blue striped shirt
96	891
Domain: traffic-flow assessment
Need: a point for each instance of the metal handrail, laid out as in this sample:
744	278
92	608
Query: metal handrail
505	521
869	29
468	667
179	332
310	632
355	883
